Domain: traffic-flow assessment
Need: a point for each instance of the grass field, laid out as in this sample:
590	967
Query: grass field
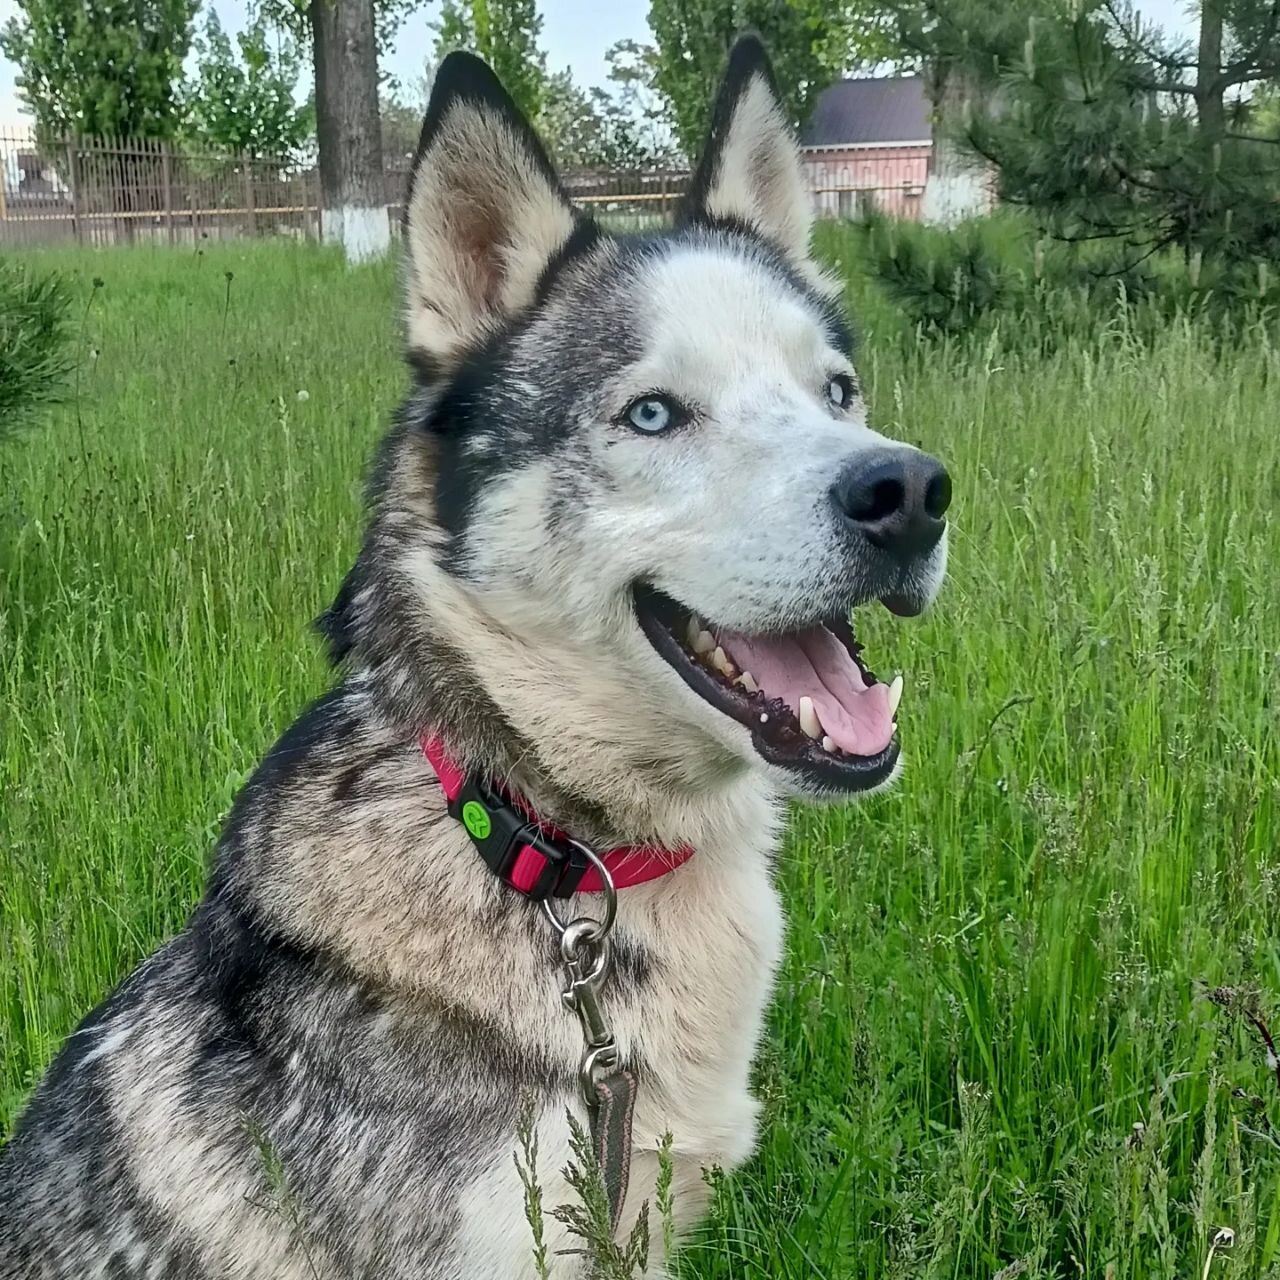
993	1051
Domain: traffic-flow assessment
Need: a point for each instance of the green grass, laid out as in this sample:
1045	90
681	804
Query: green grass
994	976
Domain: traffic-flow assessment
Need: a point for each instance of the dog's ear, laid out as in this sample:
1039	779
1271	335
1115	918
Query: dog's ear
750	170
484	217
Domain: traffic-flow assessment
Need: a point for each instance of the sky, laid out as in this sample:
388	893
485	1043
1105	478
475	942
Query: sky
575	34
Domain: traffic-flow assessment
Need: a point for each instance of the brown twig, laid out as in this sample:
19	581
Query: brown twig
1018	700
1230	998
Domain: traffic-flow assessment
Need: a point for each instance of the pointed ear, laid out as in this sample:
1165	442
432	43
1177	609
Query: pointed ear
750	168
485	215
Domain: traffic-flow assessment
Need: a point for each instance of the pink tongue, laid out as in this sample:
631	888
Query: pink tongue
815	664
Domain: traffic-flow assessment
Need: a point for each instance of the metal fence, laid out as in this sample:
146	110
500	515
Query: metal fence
117	191
124	190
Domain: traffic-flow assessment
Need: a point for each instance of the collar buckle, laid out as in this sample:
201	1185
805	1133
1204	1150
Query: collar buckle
513	847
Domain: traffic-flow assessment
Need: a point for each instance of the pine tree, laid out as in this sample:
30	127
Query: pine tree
35	345
1109	132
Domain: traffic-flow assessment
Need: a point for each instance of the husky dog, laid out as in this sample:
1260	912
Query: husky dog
613	546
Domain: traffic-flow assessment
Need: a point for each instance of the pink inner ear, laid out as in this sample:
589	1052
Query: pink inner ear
480	242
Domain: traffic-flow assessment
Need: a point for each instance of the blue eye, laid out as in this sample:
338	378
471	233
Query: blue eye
840	390
651	414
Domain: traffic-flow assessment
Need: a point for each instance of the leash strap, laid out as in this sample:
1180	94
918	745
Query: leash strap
544	864
611	1135
607	1086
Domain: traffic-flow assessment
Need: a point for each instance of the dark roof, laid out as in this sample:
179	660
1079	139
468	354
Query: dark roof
849	112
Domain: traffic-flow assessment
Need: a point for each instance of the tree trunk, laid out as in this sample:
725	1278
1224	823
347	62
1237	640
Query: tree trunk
353	195
1209	106
958	184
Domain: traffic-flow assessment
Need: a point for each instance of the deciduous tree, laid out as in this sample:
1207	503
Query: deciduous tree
353	192
248	102
810	42
100	67
505	34
346	37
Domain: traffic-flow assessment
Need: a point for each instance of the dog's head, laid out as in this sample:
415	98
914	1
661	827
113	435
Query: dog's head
653	474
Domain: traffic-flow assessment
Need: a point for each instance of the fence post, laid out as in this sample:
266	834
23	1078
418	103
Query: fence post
247	171
166	178
73	182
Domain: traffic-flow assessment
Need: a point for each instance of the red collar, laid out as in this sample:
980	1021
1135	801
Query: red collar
531	855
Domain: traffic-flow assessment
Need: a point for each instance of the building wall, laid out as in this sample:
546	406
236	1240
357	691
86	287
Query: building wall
848	182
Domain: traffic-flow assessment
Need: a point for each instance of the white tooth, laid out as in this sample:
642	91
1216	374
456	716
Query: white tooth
764	718
810	725
895	695
692	631
720	660
893	728
828	743
748	682
703	643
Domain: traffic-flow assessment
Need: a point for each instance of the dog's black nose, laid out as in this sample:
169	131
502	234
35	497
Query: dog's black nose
897	498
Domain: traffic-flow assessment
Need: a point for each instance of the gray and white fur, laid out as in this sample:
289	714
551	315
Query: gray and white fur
356	994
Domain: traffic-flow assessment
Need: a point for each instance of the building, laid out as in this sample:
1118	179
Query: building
867	147
870	146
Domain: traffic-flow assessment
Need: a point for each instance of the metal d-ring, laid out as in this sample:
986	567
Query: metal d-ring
602	927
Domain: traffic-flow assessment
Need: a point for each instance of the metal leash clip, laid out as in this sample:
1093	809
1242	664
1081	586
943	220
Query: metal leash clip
584	948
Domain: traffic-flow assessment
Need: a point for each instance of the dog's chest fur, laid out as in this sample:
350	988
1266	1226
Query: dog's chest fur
359	1005
395	887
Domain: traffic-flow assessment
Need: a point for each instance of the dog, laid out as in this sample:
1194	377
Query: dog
613	545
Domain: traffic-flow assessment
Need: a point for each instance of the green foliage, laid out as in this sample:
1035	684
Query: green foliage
35	344
643	131
588	1218
401	124
811	43
294	17
1262	113
276	1196
570	124
664	1194
623	127
505	34
597	129
991	1048
1001	273
945	282
1106	132
247	102
526	1162
101	67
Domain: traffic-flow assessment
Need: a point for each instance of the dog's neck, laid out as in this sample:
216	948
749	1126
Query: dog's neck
567	749
592	756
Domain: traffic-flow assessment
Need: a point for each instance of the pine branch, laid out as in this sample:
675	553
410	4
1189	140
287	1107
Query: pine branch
1132	37
1126	267
1164	86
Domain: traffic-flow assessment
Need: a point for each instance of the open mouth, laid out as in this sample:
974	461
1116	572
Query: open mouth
812	705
